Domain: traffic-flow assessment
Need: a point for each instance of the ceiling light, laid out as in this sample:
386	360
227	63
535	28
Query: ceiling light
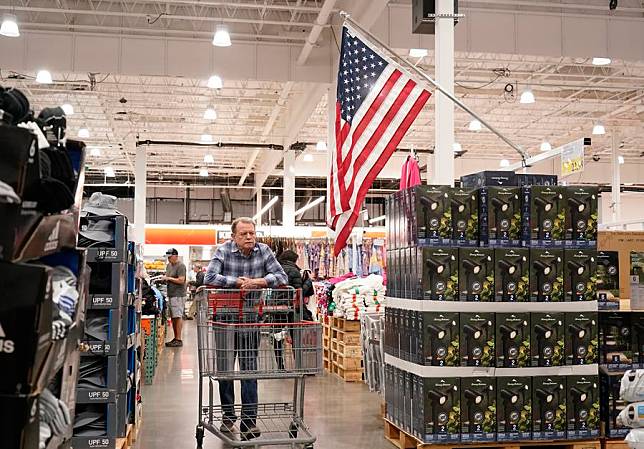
83	132
206	138
109	172
208	159
215	82
377	219
598	129
620	159
308	157
545	146
321	145
310	205
210	114
203	172
95	152
44	77
68	109
474	125
527	97
504	163
268	205
418	52
9	26
601	61
457	147
221	37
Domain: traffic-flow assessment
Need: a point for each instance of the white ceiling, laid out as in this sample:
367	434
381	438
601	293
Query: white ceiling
571	93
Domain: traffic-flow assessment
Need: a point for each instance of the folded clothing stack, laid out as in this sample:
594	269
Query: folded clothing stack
355	297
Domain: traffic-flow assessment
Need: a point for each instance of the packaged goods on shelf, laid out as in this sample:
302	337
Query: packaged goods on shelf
513	340
478	409
438	345
514	408
489	178
435	274
477	339
549	419
583	406
546	275
354	297
476	274
547	339
608	279
616	340
581	338
544	216
500	216
581	216
637	280
465	217
635	439
580	278
611	405
512	274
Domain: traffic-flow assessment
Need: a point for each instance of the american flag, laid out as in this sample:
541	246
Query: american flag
376	103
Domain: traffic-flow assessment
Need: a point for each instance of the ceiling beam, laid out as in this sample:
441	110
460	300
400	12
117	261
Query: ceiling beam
320	23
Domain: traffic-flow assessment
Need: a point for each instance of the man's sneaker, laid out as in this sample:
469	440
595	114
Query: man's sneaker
227	426
170	343
250	433
174	344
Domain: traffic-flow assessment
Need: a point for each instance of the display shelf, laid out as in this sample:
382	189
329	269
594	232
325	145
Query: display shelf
481	307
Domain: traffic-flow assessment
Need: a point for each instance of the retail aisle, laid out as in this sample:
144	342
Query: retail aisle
342	415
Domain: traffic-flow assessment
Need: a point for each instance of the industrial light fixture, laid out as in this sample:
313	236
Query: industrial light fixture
527	97
95	152
83	132
68	109
474	125
377	219
206	138
545	146
109	172
215	82
9	26
598	129
44	77
203	172
210	114
308	157
457	147
601	61
504	163
310	205
264	209
221	37
321	145
418	52
208	159
620	159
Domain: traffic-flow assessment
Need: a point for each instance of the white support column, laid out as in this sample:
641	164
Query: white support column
258	198
288	211
140	193
615	191
443	167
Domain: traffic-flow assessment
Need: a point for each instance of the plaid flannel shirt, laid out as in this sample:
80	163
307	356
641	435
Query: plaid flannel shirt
229	263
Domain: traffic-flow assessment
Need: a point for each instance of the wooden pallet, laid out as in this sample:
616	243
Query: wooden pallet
349	363
349	350
345	325
349	375
128	441
614	444
403	440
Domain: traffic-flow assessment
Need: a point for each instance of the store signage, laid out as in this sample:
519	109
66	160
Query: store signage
572	158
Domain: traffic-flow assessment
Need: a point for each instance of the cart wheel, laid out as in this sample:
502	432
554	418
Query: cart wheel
292	430
199	436
308	446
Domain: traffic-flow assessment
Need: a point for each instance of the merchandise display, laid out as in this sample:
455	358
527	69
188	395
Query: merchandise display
355	297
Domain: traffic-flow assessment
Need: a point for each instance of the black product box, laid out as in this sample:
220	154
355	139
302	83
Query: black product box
392	221
543	216
389	392
431	216
608	279
416	337
512	340
616	336
581	338
514	408
408	400
439	408
439	279
440	346
107	285
477	339
580	274
583	406
611	405
500	216
402	331
102	373
547	339
546	275
528	179
404	273
489	178
404	222
114	424
25	320
105	238
105	331
581	216
400	400
637	320
19	422
465	217
476	275
549	397
478	409
512	274
389	221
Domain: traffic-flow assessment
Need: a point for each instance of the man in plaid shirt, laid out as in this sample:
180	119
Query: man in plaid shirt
242	263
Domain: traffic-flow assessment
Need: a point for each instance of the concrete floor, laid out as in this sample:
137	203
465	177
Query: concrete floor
342	415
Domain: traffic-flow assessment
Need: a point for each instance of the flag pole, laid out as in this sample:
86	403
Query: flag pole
459	103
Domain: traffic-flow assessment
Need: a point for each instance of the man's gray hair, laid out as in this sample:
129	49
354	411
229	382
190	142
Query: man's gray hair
246	220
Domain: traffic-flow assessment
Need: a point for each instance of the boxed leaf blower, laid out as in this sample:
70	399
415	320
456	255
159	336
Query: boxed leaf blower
549	398
478	409
512	340
477	339
514	408
512	274
546	275
476	275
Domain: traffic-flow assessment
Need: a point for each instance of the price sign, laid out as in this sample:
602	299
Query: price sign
572	158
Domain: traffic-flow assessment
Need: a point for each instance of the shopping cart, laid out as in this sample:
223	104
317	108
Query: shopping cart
255	335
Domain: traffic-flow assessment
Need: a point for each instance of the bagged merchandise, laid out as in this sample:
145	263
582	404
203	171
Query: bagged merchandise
632	386
355	297
632	416
635	439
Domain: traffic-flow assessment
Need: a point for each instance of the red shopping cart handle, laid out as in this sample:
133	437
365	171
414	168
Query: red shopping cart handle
258	325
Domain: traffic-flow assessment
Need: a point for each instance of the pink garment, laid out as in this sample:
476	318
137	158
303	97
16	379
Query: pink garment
403	175
410	175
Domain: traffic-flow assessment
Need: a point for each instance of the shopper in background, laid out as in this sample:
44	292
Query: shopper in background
175	276
244	264
198	281
288	260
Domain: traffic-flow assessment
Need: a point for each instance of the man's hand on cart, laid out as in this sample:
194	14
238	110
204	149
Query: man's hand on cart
251	284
